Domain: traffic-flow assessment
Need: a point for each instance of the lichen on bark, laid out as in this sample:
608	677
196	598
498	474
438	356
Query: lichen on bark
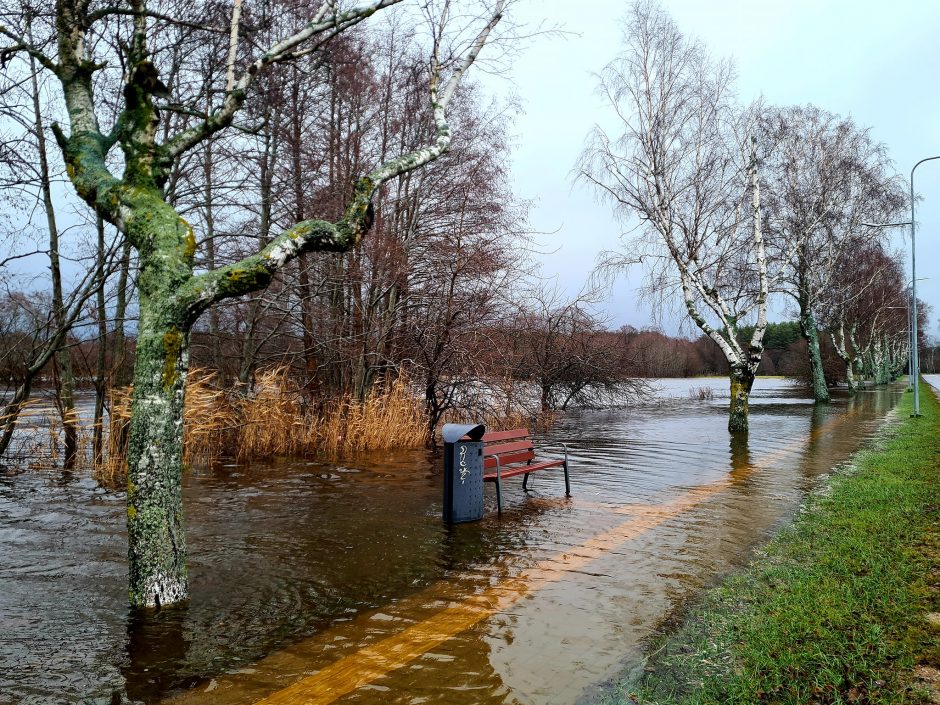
742	381
172	342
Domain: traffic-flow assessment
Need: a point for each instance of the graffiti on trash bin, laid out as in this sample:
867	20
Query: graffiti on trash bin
463	469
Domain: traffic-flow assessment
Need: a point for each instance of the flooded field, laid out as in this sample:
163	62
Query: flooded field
323	582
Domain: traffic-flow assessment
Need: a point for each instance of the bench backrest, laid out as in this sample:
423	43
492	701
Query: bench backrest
513	446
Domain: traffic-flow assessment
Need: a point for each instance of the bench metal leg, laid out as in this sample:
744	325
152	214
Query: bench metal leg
567	480
499	496
525	481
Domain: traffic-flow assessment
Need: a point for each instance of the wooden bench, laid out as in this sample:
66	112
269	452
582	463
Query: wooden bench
511	453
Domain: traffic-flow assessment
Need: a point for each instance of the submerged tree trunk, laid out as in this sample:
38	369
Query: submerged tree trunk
742	381
811	336
843	351
156	543
850	376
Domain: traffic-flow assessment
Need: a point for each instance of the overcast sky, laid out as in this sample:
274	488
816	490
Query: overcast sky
878	62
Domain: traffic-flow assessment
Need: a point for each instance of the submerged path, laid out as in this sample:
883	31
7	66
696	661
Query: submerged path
386	669
844	606
318	581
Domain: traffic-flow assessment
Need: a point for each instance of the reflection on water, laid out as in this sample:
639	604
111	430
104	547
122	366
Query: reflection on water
296	564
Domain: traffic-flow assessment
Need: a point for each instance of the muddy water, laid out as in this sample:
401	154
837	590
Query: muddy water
298	566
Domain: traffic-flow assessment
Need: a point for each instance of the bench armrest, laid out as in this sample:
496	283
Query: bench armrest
557	443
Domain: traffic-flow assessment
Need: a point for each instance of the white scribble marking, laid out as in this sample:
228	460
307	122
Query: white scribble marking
463	469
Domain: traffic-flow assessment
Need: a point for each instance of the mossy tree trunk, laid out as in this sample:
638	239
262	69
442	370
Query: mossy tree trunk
171	295
742	381
850	377
156	542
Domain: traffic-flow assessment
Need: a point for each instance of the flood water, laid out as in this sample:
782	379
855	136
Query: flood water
344	577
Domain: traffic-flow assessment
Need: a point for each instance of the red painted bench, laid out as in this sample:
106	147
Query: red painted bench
511	453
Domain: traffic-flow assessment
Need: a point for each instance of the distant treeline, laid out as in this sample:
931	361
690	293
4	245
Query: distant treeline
631	352
655	354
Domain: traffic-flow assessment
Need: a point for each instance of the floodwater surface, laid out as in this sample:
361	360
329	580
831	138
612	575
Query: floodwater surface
317	581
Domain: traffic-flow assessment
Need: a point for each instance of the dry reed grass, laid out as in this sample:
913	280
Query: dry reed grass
113	468
703	393
275	421
390	417
210	421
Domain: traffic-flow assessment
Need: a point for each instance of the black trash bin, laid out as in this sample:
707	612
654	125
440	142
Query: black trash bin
463	472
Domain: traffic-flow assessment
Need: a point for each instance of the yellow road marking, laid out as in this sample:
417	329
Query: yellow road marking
364	666
372	662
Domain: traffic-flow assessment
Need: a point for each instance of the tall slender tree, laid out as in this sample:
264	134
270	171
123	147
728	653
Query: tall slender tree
824	176
138	202
681	161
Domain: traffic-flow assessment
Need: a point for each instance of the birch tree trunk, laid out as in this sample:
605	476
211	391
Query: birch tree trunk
742	381
842	350
811	336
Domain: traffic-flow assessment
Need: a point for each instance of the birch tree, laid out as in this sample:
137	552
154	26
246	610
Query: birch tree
824	176
124	171
869	281
870	324
680	160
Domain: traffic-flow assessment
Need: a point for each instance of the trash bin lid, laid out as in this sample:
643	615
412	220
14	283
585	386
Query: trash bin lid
453	432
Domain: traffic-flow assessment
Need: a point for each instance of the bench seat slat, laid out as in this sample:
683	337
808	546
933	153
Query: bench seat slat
508	459
522	469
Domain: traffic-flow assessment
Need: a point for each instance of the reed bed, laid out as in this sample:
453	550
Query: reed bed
390	417
275	420
210	420
704	393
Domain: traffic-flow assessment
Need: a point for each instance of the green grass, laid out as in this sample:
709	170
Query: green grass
833	611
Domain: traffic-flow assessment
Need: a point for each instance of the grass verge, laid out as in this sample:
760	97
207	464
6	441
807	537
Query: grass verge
839	608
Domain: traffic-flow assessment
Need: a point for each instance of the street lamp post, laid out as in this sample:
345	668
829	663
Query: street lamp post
915	357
